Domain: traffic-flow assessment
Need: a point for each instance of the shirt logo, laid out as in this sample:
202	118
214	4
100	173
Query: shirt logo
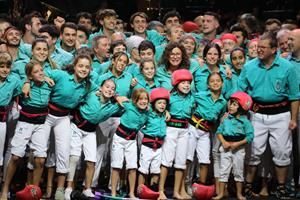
278	85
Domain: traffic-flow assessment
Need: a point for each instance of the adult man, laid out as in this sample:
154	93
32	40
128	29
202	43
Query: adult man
294	58
50	33
282	40
171	18
210	25
139	23
270	81
100	47
85	19
30	26
68	38
107	19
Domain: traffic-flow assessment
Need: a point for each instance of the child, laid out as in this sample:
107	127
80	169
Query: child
154	133
93	111
175	144
29	127
210	106
9	87
234	133
124	140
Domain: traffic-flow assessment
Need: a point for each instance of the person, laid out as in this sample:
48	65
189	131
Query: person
31	24
190	44
154	133
29	127
10	87
124	140
210	106
210	25
85	19
272	24
175	145
158	26
251	24
238	60
252	49
282	40
234	133
4	23
84	123
82	36
68	38
274	112
240	34
229	41
171	18
100	46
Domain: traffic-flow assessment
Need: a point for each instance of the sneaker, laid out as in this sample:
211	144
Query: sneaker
282	193
60	193
249	194
88	193
68	192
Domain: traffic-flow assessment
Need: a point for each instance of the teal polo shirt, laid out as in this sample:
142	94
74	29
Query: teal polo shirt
270	85
209	109
296	63
156	125
94	111
122	82
181	106
61	57
11	87
232	126
39	95
142	83
66	91
133	117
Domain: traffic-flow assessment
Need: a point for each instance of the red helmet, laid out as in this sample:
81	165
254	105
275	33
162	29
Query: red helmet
159	93
244	100
146	193
30	192
203	192
181	75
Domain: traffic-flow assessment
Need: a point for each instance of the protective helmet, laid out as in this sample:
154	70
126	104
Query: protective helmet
146	193
181	75
30	192
203	192
244	100
159	93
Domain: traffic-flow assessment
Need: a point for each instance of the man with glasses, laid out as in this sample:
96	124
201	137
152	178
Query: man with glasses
270	81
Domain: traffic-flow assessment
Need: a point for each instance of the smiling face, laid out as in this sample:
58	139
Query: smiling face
252	49
189	45
109	22
142	102
215	83
4	70
37	74
184	87
264	50
238	59
160	105
108	89
68	37
212	56
40	52
210	24
82	69
175	57
147	54
148	70
139	25
119	64
13	37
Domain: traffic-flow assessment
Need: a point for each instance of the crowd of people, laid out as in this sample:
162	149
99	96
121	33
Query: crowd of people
170	97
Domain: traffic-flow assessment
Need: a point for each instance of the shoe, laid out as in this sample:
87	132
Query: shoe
68	192
249	194
88	193
282	193
60	193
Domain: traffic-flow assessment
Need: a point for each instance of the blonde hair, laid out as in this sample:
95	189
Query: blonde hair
137	94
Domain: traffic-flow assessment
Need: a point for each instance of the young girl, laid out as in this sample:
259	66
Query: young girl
29	127
95	110
234	133
252	49
9	87
147	78
175	144
154	133
210	106
124	140
238	59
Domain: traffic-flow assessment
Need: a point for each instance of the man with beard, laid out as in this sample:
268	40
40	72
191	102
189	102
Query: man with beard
30	26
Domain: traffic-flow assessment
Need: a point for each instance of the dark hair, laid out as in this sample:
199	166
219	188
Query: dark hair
86	15
237	49
273	21
50	29
214	14
140	14
70	25
240	109
29	67
70	68
238	28
115	44
252	23
41	40
103	82
83	29
27	19
117	55
146	44
271	36
169	14
209	46
185	63
85	50
96	39
212	74
102	13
